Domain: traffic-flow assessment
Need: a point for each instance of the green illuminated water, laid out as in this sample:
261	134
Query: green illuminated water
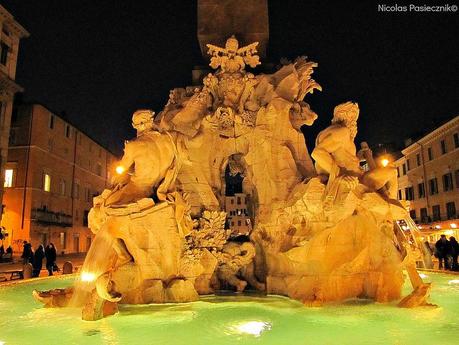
234	320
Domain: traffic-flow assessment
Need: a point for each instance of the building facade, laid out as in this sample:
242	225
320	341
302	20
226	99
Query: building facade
53	172
429	179
237	215
10	34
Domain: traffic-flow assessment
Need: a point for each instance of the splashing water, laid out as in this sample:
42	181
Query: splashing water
98	260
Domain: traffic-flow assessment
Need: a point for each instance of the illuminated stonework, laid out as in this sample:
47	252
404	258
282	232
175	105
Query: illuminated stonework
320	234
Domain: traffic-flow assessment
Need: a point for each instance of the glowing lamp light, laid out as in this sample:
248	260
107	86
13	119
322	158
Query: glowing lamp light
384	162
453	225
254	328
88	277
454	281
422	275
119	169
437	226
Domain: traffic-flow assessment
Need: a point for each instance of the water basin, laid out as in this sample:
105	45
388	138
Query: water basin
233	320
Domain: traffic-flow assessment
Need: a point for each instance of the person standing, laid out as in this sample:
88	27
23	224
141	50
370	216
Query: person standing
27	253
38	260
454	252
443	251
50	254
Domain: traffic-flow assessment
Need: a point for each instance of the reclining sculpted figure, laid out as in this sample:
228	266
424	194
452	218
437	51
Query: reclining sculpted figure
335	154
155	157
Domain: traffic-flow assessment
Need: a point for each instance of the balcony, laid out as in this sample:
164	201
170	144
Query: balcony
46	217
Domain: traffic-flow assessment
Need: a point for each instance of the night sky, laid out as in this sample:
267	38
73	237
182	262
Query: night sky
101	60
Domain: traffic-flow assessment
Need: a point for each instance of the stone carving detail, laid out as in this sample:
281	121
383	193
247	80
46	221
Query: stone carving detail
233	59
209	232
321	232
235	266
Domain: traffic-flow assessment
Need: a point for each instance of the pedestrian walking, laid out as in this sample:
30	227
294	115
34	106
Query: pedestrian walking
38	260
50	254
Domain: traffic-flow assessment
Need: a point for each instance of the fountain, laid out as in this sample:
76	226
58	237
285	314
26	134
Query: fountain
325	234
322	232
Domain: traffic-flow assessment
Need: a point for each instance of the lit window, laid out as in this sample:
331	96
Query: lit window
63	238
8	178
46	183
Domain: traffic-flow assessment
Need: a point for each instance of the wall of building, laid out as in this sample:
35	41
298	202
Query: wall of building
42	144
237	214
435	157
10	34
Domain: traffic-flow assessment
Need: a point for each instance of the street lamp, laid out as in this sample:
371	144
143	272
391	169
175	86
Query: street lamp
384	162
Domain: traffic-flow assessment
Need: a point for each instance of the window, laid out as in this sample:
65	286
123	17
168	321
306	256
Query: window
456	177
456	140
51	121
62	187
399	194
408	165
413	214
451	210
418	160
447	182
76	190
4	53
398	171
443	147
238	223
46	183
63	239
9	175
429	153
409	193
433	186
404	168
436	212
421	190
68	131
424	216
99	169
238	200
50	145
87	194
12	138
232	201
85	217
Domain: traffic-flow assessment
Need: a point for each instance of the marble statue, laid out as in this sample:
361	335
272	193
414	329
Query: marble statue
155	157
320	232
